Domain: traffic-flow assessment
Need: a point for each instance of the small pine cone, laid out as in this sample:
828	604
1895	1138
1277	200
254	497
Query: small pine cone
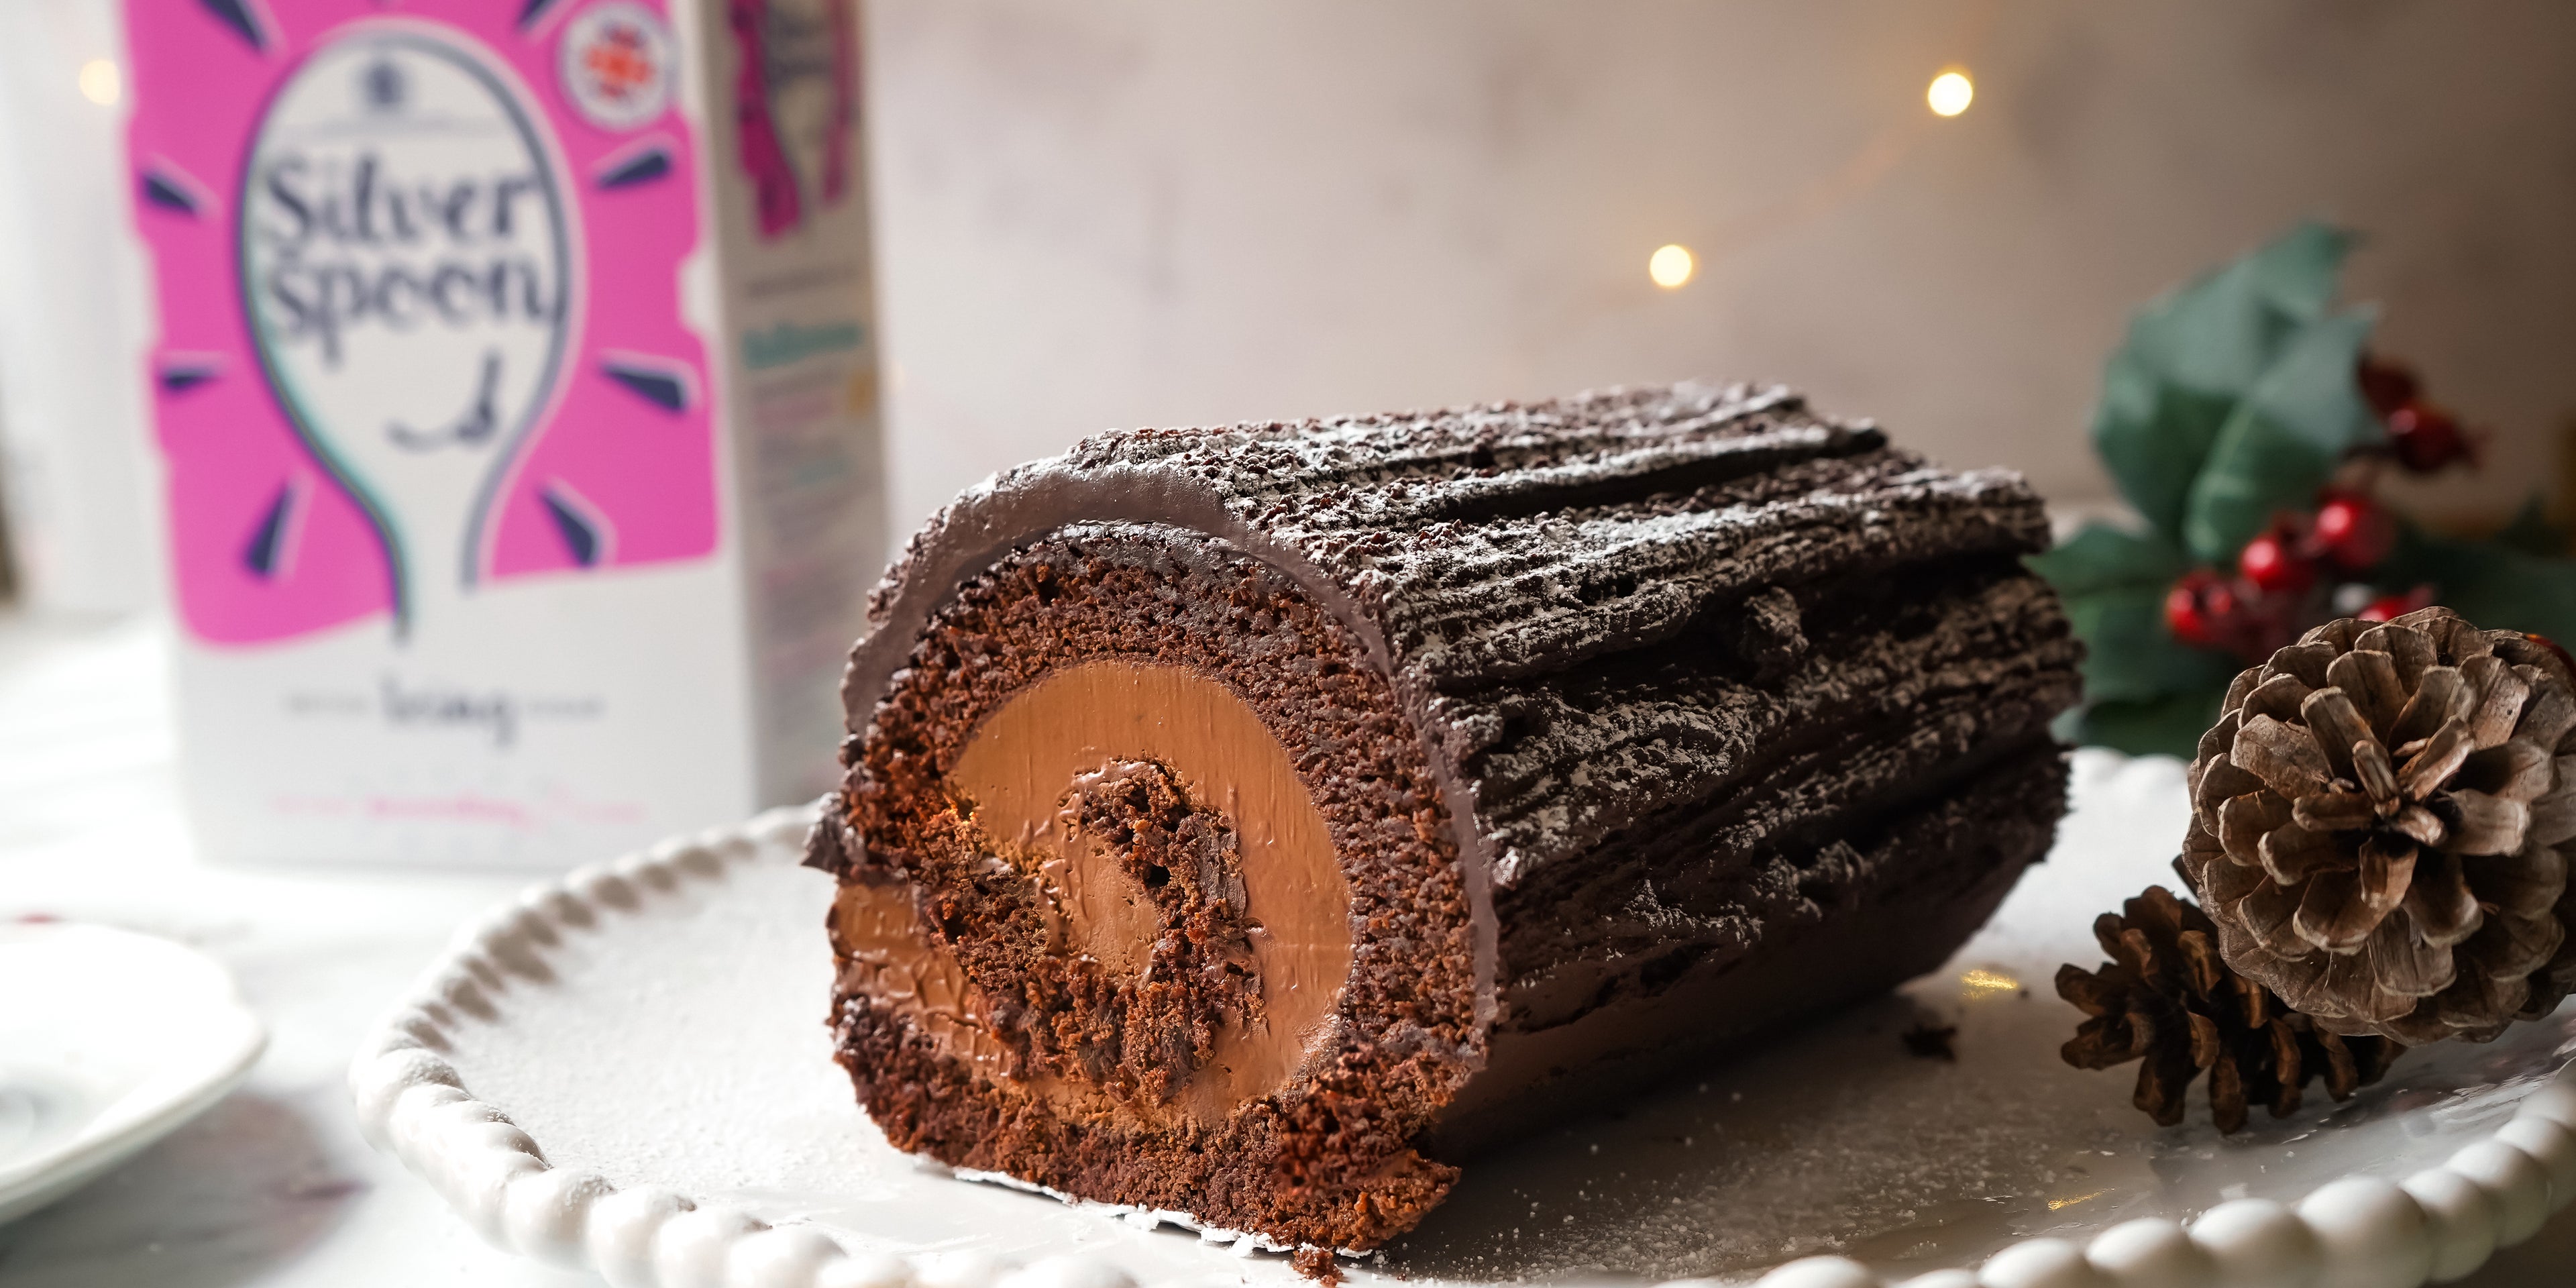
2166	998
2378	821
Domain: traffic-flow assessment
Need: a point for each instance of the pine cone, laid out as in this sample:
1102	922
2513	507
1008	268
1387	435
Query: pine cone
2377	821
2167	998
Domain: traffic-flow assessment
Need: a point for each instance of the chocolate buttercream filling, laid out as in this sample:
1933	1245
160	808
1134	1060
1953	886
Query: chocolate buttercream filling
1187	888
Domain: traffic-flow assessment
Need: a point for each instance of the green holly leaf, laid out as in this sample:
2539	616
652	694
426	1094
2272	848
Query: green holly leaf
2100	557
2153	436
2130	657
2192	355
2167	726
2531	532
2113	586
2283	438
2220	333
2233	397
2491	583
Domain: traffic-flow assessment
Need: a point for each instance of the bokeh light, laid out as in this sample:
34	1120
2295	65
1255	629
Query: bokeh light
1950	93
1671	266
101	82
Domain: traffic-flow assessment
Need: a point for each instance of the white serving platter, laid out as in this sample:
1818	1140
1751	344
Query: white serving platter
109	1040
628	1070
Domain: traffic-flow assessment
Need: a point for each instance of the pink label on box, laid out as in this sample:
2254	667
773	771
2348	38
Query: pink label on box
420	318
778	47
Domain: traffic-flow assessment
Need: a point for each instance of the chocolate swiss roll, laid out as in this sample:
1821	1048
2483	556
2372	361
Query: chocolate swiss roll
1251	822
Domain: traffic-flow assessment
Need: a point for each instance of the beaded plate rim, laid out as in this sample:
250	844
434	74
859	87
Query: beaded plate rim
2438	1224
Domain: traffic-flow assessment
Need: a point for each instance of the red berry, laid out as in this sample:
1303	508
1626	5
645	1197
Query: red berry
2274	567
2184	618
2225	607
2204	611
2390	607
2425	438
2386	384
2188	617
2353	530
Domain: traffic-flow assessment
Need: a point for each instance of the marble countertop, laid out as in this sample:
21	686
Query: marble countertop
274	1187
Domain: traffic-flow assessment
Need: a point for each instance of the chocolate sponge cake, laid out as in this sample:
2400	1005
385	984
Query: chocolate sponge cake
1250	822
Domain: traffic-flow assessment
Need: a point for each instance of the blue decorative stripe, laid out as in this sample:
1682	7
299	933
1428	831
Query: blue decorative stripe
168	194
661	388
233	14
267	541
533	10
580	537
644	167
180	378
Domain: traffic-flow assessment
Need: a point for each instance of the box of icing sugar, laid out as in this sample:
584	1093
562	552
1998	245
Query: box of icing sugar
516	387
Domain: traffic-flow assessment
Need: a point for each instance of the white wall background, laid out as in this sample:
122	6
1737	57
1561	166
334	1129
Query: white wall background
75	456
1164	212
1122	212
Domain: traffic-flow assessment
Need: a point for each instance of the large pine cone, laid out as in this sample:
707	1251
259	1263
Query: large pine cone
2165	998
2377	821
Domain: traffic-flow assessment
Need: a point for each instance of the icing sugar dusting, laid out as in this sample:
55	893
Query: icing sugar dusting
1490	547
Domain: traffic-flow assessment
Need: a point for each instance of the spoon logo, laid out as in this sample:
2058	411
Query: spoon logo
406	264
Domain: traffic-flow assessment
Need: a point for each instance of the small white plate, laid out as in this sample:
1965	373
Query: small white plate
109	1040
629	1070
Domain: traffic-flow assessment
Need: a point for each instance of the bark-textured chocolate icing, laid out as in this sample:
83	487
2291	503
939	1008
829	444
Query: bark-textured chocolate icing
1640	721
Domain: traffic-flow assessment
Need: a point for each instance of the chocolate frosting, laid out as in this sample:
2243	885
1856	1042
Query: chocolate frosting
1259	819
1471	548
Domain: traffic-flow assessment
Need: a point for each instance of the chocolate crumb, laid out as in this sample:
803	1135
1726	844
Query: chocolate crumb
1929	1041
1318	1264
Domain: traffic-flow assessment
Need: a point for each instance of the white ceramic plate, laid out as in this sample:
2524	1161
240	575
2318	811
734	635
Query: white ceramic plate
629	1070
109	1040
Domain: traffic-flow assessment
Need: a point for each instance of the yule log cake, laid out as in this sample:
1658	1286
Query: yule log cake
1248	822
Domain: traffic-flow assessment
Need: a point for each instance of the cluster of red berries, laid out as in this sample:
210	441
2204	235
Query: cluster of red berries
2422	437
2275	591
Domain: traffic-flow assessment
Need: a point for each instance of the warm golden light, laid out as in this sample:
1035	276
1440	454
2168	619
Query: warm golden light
1670	266
101	83
1982	980
1951	92
2055	1205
